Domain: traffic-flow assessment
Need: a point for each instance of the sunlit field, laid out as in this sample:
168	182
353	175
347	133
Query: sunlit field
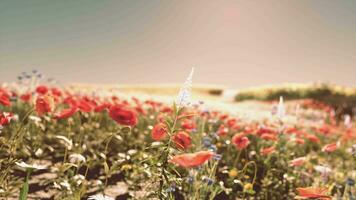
165	142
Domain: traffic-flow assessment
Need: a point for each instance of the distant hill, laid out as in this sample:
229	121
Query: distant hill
342	99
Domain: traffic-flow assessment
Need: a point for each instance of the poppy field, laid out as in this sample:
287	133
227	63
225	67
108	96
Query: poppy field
59	143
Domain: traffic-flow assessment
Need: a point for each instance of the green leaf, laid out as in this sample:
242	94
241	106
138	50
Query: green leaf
106	168
24	191
25	187
175	107
67	166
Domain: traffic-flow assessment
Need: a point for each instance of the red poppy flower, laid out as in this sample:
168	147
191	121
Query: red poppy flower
139	109
56	92
136	100
161	117
151	103
101	107
313	193
290	130
330	147
43	105
299	140
189	160
166	109
269	136
188	124
224	116
5	118
348	135
236	127
300	133
240	141
187	116
42	90
182	140
248	130
4	99
267	151
66	113
263	130
84	106
222	130
123	115
312	138
115	99
298	161
159	131
325	129
231	122
26	97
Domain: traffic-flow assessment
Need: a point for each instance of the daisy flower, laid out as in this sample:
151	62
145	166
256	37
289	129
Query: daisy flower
30	166
100	197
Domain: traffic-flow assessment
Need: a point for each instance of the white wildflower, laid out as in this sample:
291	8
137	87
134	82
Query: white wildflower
76	158
155	144
347	121
100	197
35	118
56	186
131	152
78	179
280	108
30	166
121	155
297	110
68	143
65	184
39	152
184	96
15	117
323	170
97	182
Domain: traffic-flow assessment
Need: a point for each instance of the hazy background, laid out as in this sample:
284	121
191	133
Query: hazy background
235	43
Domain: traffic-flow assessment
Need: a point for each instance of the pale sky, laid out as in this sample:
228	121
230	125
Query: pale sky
234	43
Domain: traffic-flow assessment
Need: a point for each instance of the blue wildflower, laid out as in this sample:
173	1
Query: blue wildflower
217	156
190	179
213	148
209	181
206	141
350	181
171	188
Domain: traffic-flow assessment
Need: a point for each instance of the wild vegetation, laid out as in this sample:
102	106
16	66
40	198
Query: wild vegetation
60	144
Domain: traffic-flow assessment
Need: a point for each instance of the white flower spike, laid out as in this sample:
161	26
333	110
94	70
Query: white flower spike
280	108
347	121
184	95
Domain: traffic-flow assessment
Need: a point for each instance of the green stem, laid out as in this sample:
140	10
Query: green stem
25	187
255	173
165	157
106	152
237	158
